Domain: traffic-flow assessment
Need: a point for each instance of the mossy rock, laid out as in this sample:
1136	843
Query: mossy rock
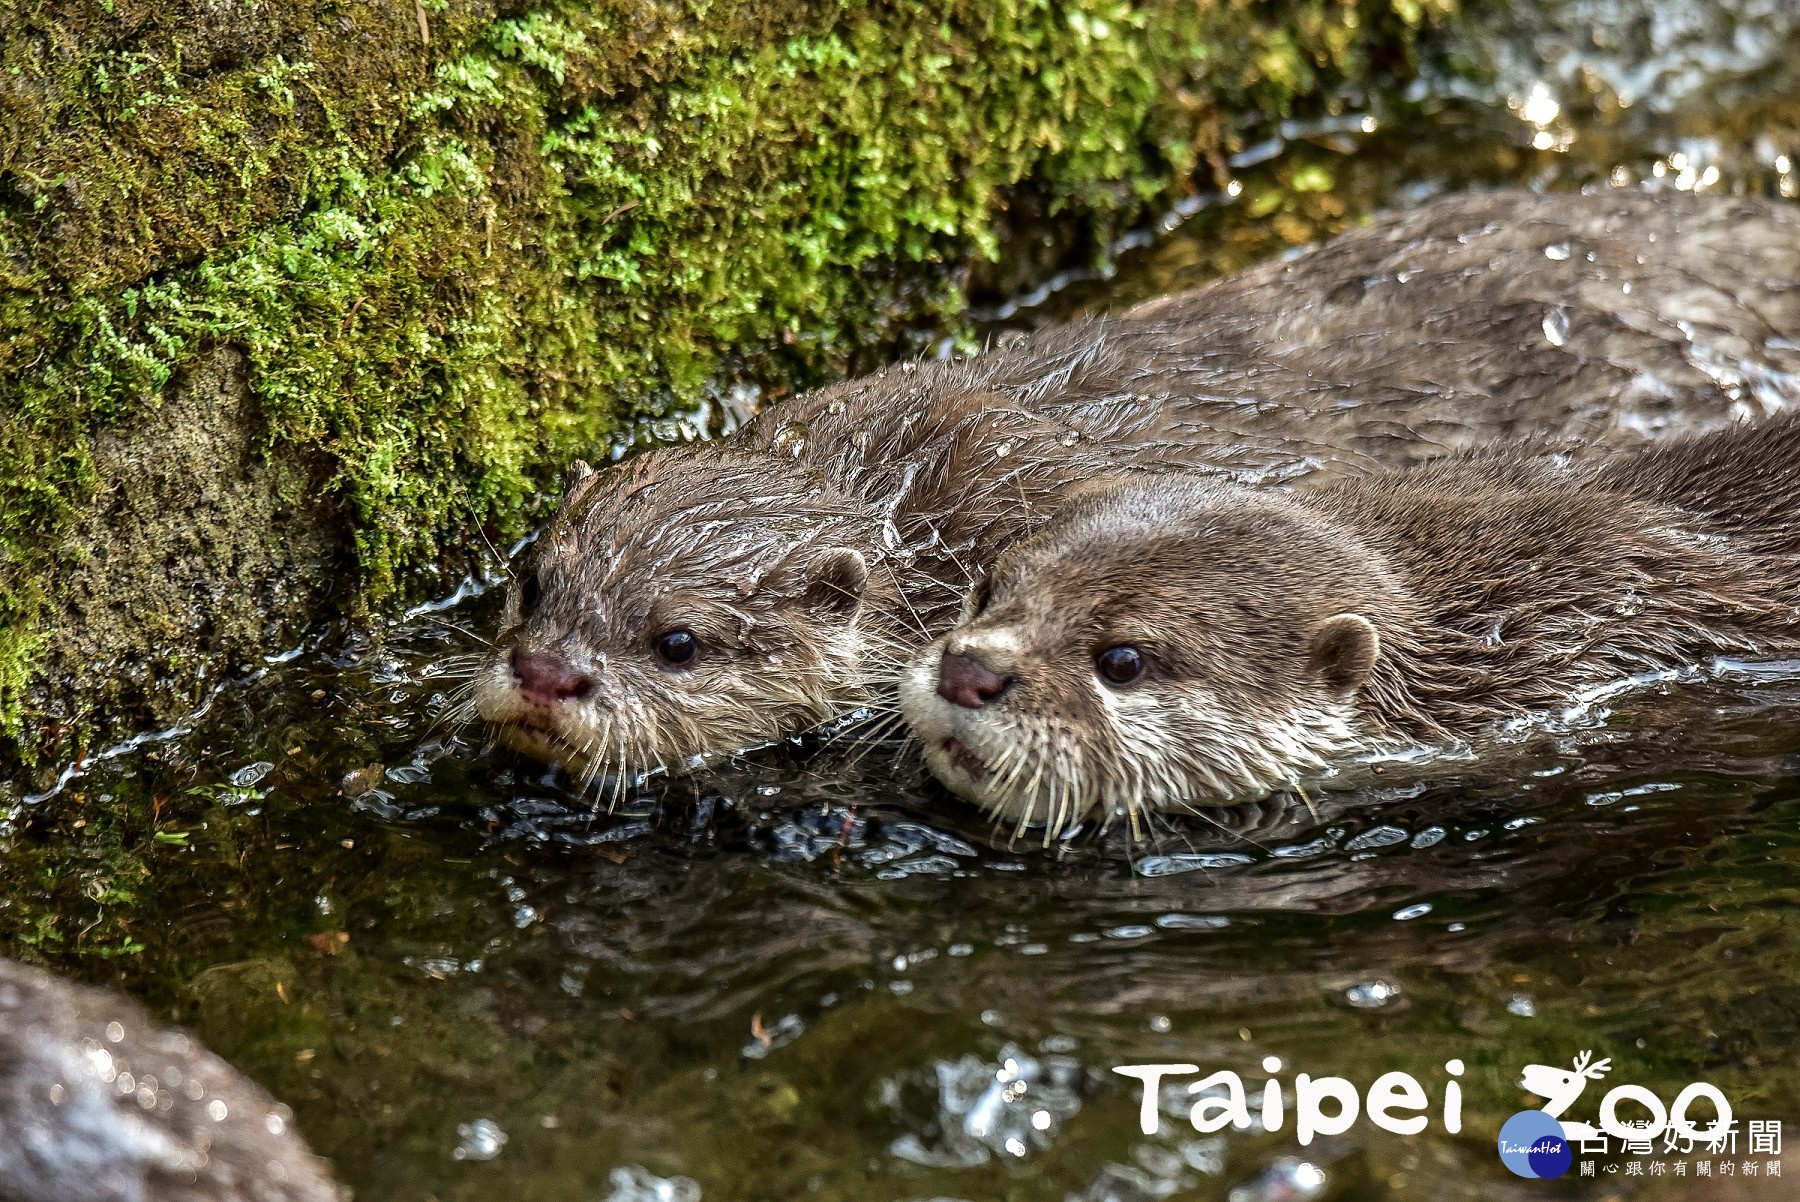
368	273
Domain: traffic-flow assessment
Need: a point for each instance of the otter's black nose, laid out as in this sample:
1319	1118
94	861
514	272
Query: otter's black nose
548	679
968	682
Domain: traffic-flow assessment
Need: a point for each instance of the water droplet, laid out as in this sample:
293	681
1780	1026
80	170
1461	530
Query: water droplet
1556	326
251	774
790	440
215	1110
1539	106
1287	1179
1559	252
479	1140
1380	836
1408	913
635	1184
1193	922
1371	995
1189	862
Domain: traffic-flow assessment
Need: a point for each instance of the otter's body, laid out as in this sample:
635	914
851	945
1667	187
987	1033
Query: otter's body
1169	642
702	598
98	1103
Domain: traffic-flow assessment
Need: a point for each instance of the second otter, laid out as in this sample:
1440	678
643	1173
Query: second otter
1169	642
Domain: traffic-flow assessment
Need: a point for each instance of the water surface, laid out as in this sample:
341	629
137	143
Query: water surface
812	974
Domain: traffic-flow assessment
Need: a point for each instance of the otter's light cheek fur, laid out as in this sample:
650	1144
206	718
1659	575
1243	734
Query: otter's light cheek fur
1193	749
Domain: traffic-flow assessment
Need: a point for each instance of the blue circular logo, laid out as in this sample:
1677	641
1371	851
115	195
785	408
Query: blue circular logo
1532	1145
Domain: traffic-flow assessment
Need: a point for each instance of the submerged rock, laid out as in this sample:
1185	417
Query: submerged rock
100	1103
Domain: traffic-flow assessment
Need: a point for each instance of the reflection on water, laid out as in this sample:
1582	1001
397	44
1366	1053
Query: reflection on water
812	974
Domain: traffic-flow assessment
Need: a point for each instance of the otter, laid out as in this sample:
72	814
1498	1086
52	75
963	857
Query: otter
708	597
100	1103
1172	642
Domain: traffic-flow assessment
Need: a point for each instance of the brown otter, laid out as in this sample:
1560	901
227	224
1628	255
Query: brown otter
99	1103
1169	642
703	598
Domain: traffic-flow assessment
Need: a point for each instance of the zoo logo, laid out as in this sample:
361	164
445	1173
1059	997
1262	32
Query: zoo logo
1537	1143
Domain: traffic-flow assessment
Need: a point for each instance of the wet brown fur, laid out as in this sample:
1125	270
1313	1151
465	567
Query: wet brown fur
1421	334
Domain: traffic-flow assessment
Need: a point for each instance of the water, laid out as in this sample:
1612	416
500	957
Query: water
812	974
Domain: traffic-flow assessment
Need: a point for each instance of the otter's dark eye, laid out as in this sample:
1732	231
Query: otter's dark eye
530	593
1119	665
676	648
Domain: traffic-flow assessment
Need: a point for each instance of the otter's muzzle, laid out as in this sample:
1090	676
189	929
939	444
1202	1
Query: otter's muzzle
548	679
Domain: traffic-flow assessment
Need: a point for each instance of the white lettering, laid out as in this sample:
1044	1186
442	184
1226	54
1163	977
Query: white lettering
1151	1075
1229	1109
1453	1098
1397	1090
1609	1113
1310	1120
1678	1117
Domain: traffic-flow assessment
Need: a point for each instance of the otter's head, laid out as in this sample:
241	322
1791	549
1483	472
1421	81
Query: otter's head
683	603
1162	643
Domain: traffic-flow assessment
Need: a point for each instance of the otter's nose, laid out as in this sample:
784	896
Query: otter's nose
968	682
548	679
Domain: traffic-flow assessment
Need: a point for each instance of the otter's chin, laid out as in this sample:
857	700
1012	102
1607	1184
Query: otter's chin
541	742
960	770
971	764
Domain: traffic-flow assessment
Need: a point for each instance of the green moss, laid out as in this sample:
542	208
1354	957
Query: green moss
458	247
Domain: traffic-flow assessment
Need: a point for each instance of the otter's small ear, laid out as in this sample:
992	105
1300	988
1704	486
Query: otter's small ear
1093	487
835	581
978	597
1344	648
576	479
